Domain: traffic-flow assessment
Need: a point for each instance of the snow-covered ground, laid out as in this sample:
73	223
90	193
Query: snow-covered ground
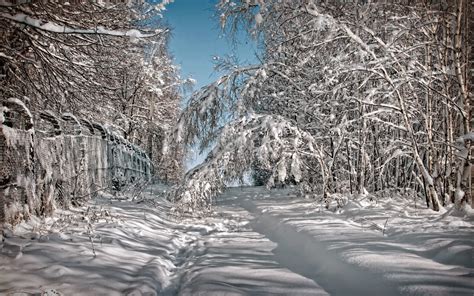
258	242
387	246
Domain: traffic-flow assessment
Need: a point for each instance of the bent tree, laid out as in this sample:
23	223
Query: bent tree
349	97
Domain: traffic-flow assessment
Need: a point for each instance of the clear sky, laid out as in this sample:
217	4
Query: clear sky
196	38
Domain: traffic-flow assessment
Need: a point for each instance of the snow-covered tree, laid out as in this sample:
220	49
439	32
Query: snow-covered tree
379	87
104	60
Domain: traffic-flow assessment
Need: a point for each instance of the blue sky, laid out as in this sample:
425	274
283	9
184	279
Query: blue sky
196	38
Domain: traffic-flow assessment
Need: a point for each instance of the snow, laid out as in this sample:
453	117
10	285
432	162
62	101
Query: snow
3	109
258	19
468	136
56	28
133	245
296	167
69	116
281	167
14	137
23	106
3	55
257	242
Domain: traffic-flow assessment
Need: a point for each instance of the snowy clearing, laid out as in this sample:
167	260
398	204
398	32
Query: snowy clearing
258	242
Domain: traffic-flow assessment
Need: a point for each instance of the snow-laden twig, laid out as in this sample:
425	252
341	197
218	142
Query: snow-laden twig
61	29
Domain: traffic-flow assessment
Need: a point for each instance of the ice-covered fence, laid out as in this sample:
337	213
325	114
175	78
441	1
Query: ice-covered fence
59	161
18	197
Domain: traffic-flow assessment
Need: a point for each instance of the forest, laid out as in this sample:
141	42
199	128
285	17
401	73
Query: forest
350	97
339	161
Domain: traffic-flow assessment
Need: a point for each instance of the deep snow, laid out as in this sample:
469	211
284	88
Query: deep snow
258	242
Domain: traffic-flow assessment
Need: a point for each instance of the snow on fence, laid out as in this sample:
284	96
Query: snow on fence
55	162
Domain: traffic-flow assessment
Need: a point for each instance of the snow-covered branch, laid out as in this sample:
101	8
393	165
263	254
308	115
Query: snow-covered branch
272	141
62	29
363	79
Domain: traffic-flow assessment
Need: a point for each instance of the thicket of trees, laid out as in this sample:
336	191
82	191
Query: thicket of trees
104	60
351	97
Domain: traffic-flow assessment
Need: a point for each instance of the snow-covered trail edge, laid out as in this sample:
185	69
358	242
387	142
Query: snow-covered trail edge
303	254
419	252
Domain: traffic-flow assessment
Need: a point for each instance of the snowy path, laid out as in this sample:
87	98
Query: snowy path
305	255
258	243
431	257
240	262
349	253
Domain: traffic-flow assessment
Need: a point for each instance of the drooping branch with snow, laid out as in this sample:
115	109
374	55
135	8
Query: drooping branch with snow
275	143
376	85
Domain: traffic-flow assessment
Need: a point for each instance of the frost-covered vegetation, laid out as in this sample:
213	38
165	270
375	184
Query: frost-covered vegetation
106	61
351	97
